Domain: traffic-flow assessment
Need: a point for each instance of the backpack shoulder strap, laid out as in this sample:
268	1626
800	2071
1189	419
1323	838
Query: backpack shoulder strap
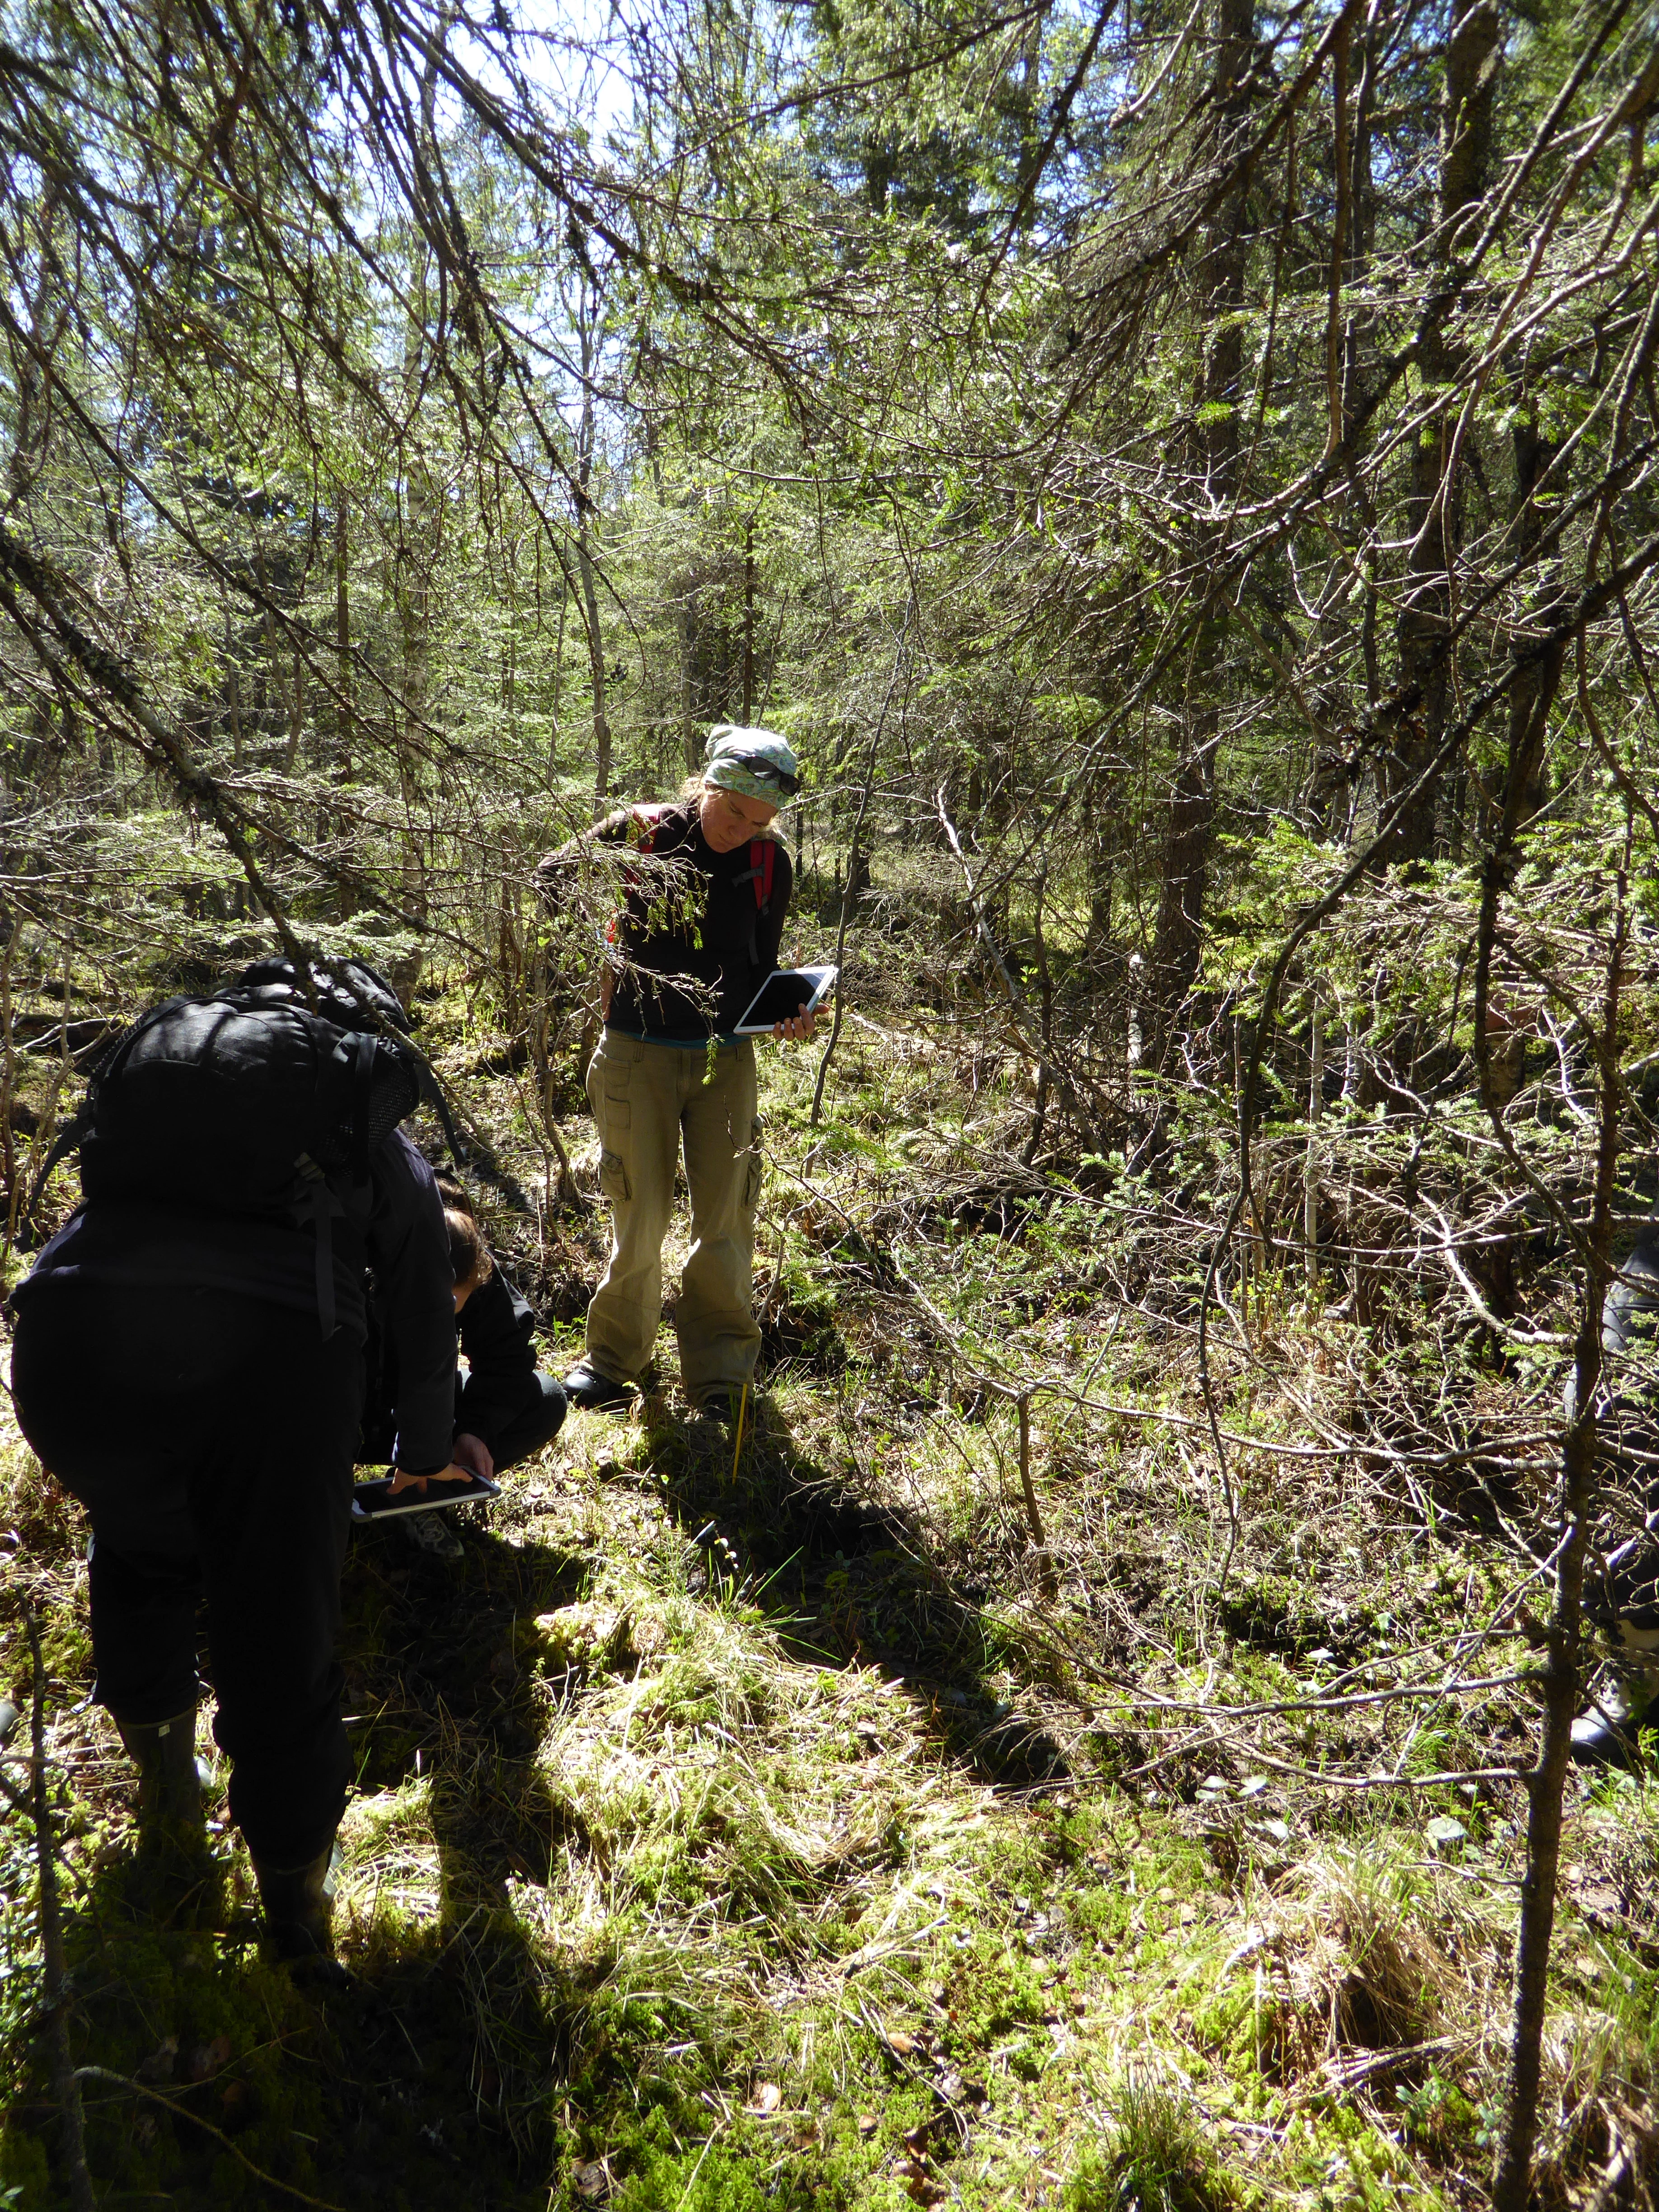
365	1046
68	1140
641	834
763	859
643	824
69	1137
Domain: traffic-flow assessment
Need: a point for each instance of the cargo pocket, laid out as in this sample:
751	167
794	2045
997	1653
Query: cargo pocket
607	1094
751	1182
613	1176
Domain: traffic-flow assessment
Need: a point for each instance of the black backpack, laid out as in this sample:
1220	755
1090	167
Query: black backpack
249	1102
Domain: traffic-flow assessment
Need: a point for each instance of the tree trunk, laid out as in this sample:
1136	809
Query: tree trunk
1191	816
1433	502
1352	345
748	622
1360	223
278	686
1101	833
595	663
1533	688
1512	2185
413	609
558	673
585	441
1179	937
296	712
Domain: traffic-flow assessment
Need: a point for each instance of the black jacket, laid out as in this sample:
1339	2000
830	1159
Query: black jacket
496	1331
730	946
392	1221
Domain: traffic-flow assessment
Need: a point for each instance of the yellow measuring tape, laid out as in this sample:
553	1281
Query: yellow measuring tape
743	1407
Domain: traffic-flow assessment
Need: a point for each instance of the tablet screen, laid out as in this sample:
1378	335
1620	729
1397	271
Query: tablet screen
783	994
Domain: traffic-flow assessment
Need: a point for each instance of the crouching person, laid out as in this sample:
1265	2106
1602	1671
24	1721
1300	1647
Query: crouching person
504	1409
189	1364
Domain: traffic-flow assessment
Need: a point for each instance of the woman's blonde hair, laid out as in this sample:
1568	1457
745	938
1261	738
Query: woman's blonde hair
694	787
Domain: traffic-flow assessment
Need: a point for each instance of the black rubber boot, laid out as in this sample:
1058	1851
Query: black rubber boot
298	1907
174	1877
1608	1735
170	1817
1627	1701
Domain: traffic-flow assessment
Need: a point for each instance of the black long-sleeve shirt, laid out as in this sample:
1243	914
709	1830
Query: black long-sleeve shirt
730	946
496	1331
393	1220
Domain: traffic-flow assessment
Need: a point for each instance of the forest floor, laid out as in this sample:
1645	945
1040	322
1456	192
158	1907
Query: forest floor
774	1824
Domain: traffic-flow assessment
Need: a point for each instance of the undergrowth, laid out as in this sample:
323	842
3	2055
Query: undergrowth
780	1827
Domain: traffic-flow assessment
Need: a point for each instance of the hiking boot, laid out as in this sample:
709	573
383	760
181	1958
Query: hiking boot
721	1405
595	1393
299	1907
431	1533
170	1816
728	1403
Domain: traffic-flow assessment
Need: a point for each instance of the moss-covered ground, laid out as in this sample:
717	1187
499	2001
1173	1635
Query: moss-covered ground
768	1822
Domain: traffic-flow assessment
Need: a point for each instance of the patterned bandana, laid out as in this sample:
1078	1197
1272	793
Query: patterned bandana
757	763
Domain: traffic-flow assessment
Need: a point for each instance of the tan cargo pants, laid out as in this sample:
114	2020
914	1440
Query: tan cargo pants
647	1099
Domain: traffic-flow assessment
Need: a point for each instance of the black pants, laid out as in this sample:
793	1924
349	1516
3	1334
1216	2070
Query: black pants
210	1439
513	1431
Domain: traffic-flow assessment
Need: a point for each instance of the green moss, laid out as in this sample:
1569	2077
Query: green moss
701	2178
25	2176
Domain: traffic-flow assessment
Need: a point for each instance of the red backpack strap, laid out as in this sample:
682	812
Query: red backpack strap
639	832
763	860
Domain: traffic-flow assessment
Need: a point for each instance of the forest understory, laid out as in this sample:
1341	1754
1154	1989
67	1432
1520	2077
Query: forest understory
1184	484
777	1822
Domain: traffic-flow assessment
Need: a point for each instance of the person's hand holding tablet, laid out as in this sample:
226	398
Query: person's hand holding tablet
786	1006
799	1030
453	1473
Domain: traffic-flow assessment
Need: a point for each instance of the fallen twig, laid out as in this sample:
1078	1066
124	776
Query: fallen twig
183	2112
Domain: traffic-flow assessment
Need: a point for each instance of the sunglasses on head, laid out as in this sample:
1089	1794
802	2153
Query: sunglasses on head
769	772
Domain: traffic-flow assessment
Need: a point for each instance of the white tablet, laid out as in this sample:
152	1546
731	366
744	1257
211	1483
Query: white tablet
785	993
378	1501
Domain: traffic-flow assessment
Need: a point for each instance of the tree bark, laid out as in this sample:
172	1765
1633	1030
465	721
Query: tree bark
585	443
595	662
1512	2184
1534	688
748	622
1333	792
413	609
1178	939
1433	502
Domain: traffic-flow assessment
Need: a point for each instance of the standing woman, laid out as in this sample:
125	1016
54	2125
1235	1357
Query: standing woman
671	1072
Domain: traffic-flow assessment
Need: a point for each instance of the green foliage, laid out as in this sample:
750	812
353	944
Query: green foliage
1159	2160
703	2178
439	458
